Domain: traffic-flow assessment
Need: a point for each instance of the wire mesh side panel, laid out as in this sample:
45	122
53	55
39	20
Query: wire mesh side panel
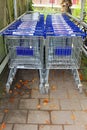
25	52
63	52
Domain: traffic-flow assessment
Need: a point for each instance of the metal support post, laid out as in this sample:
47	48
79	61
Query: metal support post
82	9
15	9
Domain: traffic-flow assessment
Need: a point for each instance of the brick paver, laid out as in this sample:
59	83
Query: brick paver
52	104
36	94
28	104
59	94
70	104
63	109
74	93
8	127
25	127
80	117
16	116
74	127
83	104
39	117
7	103
50	127
61	117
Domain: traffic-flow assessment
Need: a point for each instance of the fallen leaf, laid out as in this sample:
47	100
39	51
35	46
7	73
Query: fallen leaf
20	81
81	77
25	82
73	117
3	125
6	111
38	106
85	110
18	86
45	102
41	126
47	122
86	127
53	87
10	91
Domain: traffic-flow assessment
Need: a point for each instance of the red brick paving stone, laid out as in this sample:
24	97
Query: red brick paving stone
25	127
74	127
65	85
53	104
8	104
17	116
39	117
60	94
36	94
61	117
74	94
8	127
69	84
63	75
70	104
28	103
53	83
80	117
83	104
50	127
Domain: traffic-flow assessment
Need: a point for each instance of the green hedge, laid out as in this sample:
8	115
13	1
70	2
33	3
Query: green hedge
7	16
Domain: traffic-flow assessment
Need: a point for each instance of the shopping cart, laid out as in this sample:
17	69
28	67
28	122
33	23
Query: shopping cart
63	48
25	41
24	53
63	53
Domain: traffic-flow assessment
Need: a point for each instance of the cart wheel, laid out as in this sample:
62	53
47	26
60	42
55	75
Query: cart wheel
47	88
7	88
42	89
80	88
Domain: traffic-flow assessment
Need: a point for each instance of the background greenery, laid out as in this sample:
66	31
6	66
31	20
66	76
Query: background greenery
7	16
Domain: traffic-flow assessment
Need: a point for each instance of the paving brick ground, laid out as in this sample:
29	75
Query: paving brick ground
63	109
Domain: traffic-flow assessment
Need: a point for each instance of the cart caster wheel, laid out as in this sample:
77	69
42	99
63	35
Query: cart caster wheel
7	87
47	88
80	88
41	89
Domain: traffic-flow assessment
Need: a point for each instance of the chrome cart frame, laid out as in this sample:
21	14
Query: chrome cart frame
63	52
25	52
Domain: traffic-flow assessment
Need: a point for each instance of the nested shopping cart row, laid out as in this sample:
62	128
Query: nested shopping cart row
63	53
25	53
63	46
25	42
34	45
